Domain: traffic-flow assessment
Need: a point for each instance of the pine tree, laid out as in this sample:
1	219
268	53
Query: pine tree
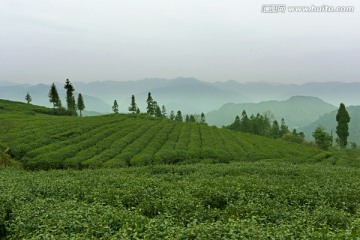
71	106
202	118
150	105
80	103
192	118
178	117
283	128
74	106
163	111
245	122
115	107
138	111
275	130
236	125
172	115
28	98
158	111
54	96
342	129
133	107
187	118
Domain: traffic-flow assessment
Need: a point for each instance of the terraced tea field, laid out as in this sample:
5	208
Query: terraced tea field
42	141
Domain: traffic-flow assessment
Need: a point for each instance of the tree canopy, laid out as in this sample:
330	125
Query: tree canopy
342	128
80	103
54	96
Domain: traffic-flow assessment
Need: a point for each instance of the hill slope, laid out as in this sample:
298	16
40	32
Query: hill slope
297	111
328	121
44	142
39	94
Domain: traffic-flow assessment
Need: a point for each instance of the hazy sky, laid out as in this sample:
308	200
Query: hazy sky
212	40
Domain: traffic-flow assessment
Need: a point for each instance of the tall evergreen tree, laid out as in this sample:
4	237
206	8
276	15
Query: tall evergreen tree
133	107
137	110
70	100
28	98
275	130
115	107
150	105
187	118
283	128
74	106
202	118
158	112
80	103
163	111
342	128
54	96
253	125
245	122
172	115
192	118
236	125
179	117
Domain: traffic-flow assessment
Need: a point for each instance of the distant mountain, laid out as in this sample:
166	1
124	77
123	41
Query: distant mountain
186	94
331	92
298	111
192	95
328	121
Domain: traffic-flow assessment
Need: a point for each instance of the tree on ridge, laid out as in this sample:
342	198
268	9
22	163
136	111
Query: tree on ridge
28	98
54	96
115	107
80	103
342	129
133	107
70	100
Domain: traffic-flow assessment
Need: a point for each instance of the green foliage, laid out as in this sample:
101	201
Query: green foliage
133	107
172	115
115	107
70	100
259	125
250	200
150	105
342	128
158	112
179	117
202	118
118	140
54	96
80	103
28	98
163	111
322	139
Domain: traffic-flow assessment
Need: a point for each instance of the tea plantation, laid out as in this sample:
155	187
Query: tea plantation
135	177
248	200
43	141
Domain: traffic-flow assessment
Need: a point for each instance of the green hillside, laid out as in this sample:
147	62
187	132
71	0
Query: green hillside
42	141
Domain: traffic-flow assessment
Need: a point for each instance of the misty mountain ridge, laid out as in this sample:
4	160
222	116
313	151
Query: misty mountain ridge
298	111
189	95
